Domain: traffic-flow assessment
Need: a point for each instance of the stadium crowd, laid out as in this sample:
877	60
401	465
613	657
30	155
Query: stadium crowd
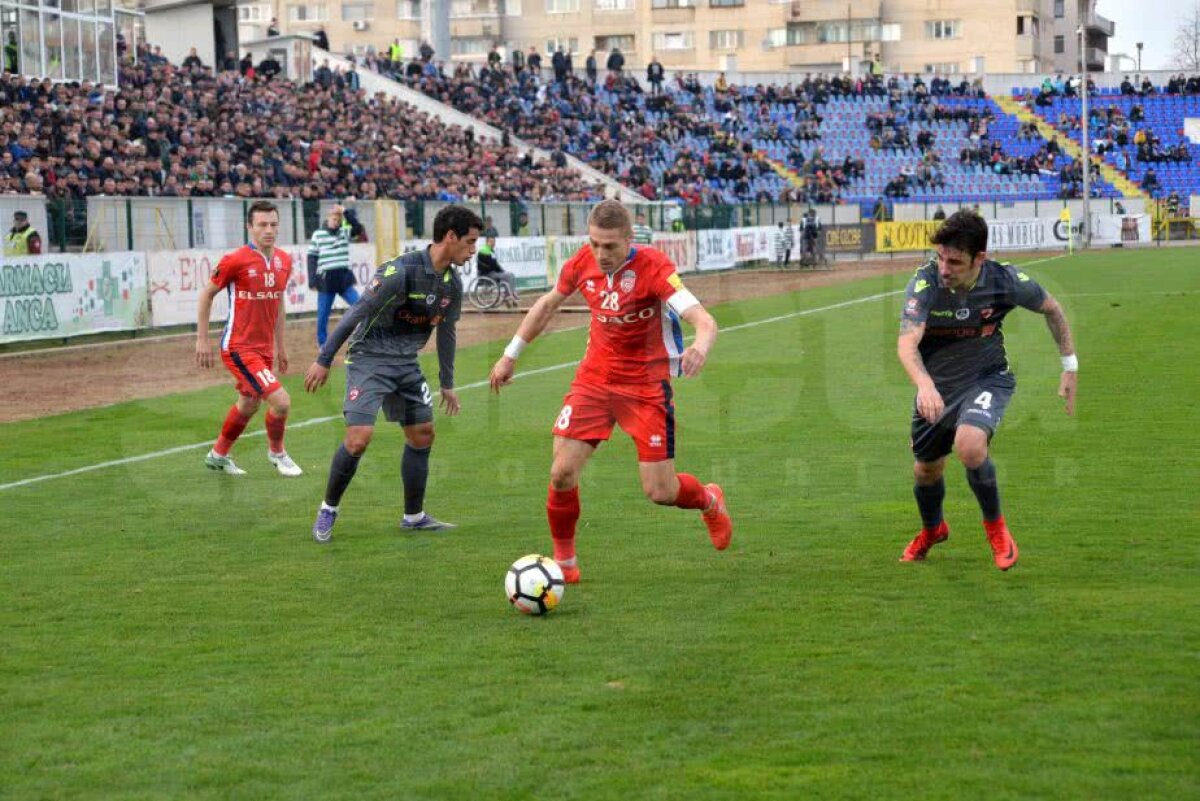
189	132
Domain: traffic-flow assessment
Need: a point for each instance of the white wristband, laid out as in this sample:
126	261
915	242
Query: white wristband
514	348
1070	363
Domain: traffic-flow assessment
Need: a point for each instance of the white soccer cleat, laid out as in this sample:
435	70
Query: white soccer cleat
284	464
222	463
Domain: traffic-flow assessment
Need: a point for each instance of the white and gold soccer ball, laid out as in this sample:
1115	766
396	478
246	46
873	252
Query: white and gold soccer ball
534	584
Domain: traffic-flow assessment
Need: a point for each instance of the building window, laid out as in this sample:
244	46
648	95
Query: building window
1060	44
776	37
682	40
469	47
613	5
408	9
726	40
943	28
944	68
311	14
512	8
725	3
1059	9
466	9
562	6
568	45
672	3
357	12
623	42
254	14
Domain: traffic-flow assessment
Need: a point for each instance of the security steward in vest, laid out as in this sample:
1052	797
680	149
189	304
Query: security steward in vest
23	239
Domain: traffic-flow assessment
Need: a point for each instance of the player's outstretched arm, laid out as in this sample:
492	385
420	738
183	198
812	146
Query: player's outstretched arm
929	401
696	354
1060	329
533	324
204	349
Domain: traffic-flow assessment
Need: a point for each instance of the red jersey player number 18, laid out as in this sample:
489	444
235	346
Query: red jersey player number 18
635	346
255	277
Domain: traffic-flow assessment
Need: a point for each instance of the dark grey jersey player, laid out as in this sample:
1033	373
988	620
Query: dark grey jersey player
952	347
409	297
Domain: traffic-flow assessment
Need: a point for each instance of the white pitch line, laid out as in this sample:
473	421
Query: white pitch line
476	385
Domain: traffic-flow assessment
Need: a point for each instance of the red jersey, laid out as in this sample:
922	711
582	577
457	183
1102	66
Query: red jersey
635	337
255	290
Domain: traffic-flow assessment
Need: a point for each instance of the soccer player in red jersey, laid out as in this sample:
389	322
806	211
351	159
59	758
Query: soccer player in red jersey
635	346
255	277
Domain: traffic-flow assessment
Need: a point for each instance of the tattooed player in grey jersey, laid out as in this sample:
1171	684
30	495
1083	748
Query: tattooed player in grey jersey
952	347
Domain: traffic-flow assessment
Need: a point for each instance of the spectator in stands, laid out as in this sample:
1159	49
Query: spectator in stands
534	62
1127	87
273	27
616	62
1150	182
11	52
268	68
321	39
193	60
939	213
558	62
654	75
426	51
22	239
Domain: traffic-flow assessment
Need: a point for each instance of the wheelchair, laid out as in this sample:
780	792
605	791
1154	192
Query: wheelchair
486	293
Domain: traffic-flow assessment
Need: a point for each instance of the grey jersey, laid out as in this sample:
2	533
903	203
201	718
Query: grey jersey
963	340
398	311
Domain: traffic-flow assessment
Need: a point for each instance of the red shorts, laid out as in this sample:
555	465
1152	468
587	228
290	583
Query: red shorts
644	412
254	372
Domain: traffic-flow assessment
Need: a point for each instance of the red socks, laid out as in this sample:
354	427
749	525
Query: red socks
275	426
562	510
692	494
235	423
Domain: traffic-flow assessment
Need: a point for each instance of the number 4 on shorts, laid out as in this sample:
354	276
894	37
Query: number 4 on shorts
984	401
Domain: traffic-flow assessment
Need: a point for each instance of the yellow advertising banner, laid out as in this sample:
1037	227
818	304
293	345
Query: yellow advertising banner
895	237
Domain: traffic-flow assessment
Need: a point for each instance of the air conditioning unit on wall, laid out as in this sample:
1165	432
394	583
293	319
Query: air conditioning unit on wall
362	24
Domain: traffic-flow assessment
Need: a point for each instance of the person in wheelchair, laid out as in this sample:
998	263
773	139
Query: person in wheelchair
488	266
810	236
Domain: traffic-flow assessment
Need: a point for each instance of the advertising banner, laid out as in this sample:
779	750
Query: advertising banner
898	237
1117	229
177	276
856	238
714	249
679	247
753	244
559	249
1022	234
54	296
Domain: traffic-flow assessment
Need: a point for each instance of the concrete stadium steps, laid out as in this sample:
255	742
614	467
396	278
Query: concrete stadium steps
1126	187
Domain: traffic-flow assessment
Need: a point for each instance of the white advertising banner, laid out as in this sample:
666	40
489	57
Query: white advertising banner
714	249
64	295
177	276
680	248
753	244
1022	234
1119	229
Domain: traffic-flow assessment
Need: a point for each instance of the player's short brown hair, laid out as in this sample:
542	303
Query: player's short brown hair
610	215
963	230
263	206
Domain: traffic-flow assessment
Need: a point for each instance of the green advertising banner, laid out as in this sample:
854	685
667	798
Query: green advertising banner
49	297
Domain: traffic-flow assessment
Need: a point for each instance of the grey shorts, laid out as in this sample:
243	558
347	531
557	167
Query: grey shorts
981	405
400	389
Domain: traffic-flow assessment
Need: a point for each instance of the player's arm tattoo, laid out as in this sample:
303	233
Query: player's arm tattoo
1060	329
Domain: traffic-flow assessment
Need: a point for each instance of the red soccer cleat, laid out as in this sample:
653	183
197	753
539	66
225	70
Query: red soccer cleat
720	524
918	549
1004	548
570	573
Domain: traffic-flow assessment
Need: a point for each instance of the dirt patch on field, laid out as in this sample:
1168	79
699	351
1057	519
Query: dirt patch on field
47	382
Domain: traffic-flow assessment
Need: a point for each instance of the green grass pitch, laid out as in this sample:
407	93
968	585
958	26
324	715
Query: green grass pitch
168	632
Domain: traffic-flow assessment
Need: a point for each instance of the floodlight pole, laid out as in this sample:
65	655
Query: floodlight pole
1086	149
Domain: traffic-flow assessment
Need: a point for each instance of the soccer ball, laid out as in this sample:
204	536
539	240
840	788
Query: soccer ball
534	584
